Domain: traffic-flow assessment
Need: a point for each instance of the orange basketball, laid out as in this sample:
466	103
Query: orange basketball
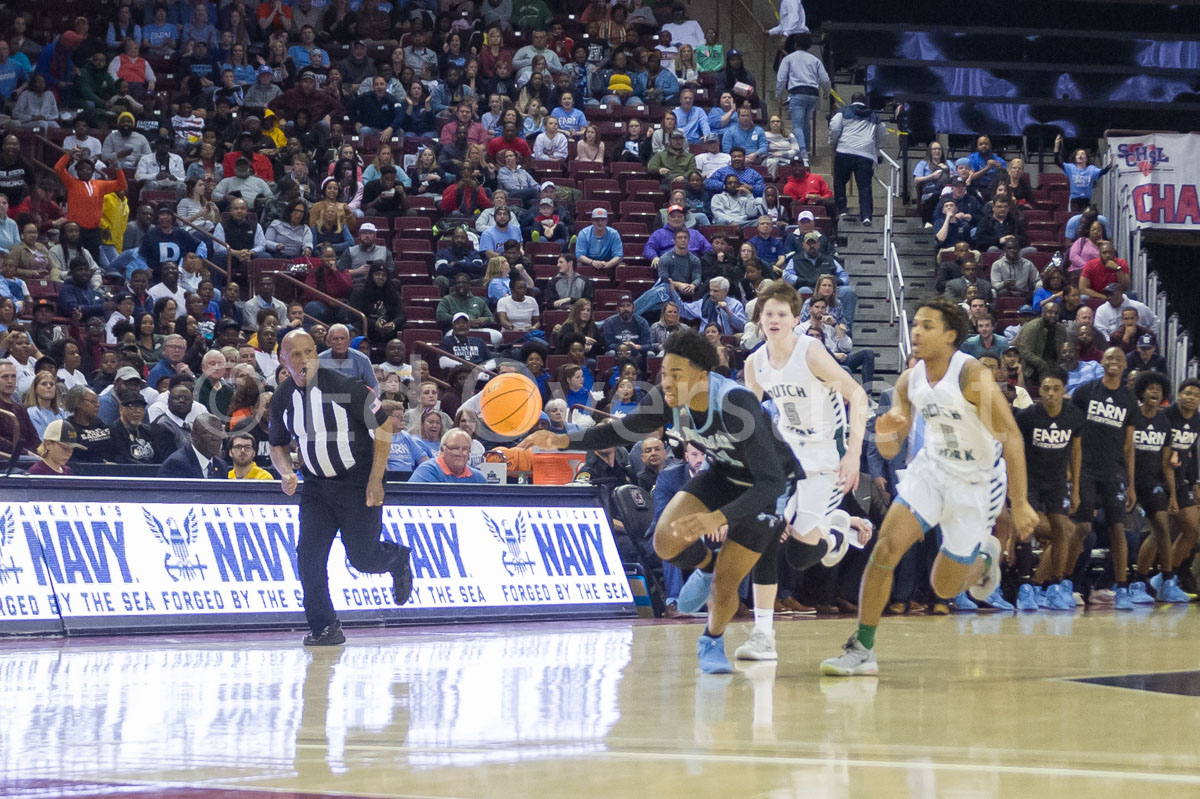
510	404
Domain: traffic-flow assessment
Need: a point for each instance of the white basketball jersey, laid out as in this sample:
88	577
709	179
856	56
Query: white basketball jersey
955	437
810	416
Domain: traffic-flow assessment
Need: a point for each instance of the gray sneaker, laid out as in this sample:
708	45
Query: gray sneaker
991	576
855	660
838	538
761	646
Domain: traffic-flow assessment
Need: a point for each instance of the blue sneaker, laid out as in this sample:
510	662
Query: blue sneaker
1156	582
1058	600
997	601
1138	595
711	653
1121	600
694	592
1027	599
1039	593
1169	591
963	602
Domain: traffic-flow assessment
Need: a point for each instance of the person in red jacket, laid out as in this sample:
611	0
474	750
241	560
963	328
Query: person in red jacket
85	197
245	149
808	189
326	278
465	198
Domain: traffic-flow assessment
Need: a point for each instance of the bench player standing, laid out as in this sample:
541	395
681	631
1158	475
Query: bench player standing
807	386
1106	478
972	449
1153	477
1050	429
1185	429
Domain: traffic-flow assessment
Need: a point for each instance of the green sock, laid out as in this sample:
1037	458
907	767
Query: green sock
866	635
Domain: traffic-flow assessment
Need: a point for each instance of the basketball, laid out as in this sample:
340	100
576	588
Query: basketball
510	404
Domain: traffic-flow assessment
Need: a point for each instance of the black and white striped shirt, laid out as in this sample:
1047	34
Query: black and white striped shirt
331	419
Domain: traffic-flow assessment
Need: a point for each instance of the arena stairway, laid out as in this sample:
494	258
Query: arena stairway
862	254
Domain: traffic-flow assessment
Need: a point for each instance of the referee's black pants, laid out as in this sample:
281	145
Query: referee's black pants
327	506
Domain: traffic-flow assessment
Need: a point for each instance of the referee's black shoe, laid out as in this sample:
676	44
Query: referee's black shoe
329	636
402	577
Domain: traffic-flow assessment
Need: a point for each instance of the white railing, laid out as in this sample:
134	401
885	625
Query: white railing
892	186
1175	344
895	276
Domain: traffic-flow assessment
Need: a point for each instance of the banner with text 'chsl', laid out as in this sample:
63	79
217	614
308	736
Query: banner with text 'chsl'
1158	174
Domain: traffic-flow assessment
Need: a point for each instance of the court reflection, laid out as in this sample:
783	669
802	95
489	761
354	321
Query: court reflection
278	710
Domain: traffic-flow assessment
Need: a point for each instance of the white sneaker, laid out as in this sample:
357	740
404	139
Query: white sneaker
761	646
1103	596
855	660
837	538
991	577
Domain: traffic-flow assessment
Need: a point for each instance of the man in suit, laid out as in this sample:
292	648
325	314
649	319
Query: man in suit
199	460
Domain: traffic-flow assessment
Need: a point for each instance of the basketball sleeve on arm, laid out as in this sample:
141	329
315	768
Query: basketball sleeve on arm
278	434
651	414
746	422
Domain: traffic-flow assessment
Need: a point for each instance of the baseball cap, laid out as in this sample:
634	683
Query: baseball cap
1025	309
227	323
460	315
359	43
265	70
368	227
1112	287
63	432
599	213
309	74
806	216
42	302
963	162
624	299
1145	340
131	397
675	209
678	133
958	182
547	201
549	184
127	373
812	235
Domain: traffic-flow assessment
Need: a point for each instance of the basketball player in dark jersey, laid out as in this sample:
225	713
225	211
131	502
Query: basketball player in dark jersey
1052	456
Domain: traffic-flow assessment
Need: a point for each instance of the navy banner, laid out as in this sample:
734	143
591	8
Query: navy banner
82	554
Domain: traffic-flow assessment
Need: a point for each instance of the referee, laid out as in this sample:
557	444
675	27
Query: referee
332	417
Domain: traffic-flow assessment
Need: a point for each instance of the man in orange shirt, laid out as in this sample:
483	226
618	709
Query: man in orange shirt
85	197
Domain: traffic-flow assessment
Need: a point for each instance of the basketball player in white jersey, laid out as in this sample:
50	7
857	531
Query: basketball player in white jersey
957	480
807	386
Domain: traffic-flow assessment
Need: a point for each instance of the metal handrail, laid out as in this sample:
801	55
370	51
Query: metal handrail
325	298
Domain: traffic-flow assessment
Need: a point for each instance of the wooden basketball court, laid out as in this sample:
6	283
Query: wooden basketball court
965	706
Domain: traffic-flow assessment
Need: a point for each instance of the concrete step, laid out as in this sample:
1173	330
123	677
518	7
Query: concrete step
871	310
887	364
868	287
918	286
906	224
876	335
864	264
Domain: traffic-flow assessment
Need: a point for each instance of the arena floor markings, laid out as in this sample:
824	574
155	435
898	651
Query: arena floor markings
1089	705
